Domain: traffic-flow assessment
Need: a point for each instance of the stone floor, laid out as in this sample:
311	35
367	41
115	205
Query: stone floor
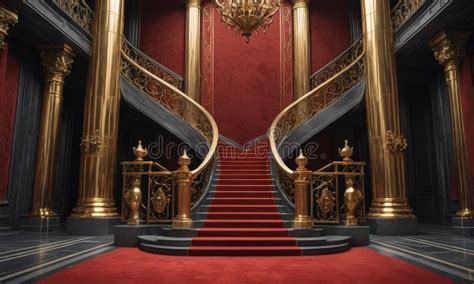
25	258
434	248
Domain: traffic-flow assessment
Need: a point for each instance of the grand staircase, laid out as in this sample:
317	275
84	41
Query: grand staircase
243	216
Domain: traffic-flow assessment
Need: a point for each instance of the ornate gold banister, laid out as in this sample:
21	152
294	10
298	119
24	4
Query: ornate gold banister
337	64
293	116
180	104
295	184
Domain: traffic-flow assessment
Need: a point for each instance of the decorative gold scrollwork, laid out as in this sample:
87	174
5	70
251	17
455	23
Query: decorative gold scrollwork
396	143
338	64
79	11
90	144
160	200
326	201
404	10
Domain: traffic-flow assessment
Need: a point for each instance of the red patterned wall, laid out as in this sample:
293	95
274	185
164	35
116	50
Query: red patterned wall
330	30
162	32
243	85
467	96
7	119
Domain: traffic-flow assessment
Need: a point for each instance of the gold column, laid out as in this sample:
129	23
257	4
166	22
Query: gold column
101	114
301	45
184	180
302	180
7	17
57	61
192	70
449	49
386	143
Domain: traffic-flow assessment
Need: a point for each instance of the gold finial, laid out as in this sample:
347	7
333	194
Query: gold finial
346	152
184	160
301	161
140	152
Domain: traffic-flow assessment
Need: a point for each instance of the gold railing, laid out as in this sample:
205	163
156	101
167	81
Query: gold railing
153	194
153	205
404	10
190	184
79	11
152	66
341	79
338	64
329	203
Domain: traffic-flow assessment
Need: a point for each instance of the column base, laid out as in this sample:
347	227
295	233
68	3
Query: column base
41	225
183	223
95	208
91	226
302	223
463	226
393	227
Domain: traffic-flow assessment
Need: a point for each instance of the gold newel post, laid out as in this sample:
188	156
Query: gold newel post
302	180
301	48
101	115
386	143
184	180
192	71
449	49
56	61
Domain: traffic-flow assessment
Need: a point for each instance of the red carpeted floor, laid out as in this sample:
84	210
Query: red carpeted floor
359	265
243	218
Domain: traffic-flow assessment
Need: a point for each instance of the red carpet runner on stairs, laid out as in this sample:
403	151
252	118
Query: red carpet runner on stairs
243	218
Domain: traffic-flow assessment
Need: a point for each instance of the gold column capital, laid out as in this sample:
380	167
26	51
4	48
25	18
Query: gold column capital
194	3
300	4
450	47
57	61
8	17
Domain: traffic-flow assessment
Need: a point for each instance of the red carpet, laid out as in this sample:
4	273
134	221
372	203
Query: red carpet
243	218
359	265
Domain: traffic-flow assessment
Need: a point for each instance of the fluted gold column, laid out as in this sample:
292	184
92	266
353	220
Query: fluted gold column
301	48
57	61
192	69
449	49
386	143
99	141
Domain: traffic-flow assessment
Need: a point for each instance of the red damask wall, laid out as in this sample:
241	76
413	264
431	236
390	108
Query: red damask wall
467	96
330	30
7	119
248	90
162	32
243	85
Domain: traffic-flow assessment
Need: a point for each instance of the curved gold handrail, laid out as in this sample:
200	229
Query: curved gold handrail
274	131
337	64
215	133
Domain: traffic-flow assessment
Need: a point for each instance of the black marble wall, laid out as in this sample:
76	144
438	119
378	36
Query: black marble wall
22	167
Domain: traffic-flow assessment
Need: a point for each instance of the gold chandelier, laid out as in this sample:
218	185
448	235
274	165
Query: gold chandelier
247	16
